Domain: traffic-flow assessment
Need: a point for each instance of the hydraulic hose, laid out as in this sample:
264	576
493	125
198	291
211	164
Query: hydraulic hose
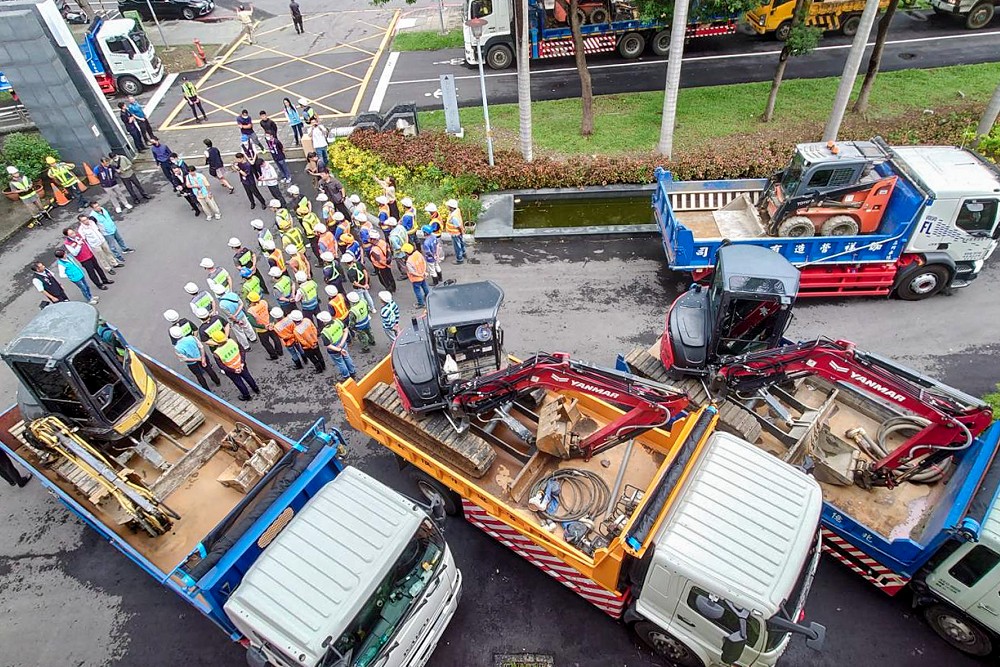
588	494
907	426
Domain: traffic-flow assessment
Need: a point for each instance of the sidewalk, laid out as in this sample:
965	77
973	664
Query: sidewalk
427	17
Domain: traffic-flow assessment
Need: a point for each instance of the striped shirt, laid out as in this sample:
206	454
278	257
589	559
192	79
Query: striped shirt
390	315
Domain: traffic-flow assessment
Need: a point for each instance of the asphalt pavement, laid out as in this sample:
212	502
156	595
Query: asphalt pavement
67	598
916	40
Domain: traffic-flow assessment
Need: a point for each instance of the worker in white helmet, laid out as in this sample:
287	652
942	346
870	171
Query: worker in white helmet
333	335
231	306
192	352
454	227
360	320
284	328
284	289
200	299
357	275
262	234
175	320
307	337
216	274
307	295
337	303
245	261
389	313
25	190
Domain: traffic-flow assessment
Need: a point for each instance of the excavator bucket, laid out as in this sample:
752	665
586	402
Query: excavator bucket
560	425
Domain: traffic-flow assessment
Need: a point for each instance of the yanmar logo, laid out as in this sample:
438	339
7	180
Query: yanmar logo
583	386
878	388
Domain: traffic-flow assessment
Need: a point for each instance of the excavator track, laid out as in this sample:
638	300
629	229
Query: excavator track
733	418
182	414
433	433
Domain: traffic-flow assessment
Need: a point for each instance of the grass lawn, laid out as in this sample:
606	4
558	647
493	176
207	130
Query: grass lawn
427	40
631	122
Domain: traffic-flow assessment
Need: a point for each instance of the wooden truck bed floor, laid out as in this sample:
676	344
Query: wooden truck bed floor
720	224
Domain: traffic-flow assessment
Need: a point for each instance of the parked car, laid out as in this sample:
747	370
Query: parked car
168	9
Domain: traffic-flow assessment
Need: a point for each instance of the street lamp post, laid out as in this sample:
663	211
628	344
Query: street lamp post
476	26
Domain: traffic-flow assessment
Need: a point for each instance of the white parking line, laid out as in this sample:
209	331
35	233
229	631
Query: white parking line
725	56
157	97
383	82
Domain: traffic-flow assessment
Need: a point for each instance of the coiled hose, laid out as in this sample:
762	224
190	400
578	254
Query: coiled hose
588	494
905	426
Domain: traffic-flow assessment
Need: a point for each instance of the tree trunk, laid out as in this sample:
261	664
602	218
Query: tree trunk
524	83
990	114
586	89
875	61
779	74
851	68
677	34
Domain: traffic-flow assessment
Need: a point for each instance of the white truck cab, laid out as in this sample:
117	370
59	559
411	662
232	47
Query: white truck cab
977	13
360	577
126	54
725	587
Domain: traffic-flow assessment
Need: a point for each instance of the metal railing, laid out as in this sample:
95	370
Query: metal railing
15	118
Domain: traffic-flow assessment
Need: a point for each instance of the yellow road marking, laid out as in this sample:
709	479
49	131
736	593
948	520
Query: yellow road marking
371	67
283	89
201	81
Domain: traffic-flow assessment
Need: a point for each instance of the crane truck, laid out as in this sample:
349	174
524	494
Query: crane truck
703	544
300	558
856	218
906	464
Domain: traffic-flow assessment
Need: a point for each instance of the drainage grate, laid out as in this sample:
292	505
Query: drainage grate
523	660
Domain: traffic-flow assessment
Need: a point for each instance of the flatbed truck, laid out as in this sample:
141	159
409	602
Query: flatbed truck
301	559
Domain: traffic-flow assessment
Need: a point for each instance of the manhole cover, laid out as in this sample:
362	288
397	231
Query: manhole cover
522	660
907	56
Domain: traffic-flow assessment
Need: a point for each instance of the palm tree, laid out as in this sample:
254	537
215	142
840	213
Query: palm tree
586	87
677	34
851	68
801	40
524	83
861	105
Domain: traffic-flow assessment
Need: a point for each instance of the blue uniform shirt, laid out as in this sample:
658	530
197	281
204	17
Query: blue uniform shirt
188	347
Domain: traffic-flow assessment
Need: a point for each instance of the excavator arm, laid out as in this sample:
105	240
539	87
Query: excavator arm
953	418
649	404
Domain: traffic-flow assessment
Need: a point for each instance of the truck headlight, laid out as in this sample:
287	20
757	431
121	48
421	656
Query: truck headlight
762	20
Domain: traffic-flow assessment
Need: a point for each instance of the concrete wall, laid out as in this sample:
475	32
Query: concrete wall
39	56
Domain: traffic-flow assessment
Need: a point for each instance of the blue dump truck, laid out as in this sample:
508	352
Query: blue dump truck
301	559
857	218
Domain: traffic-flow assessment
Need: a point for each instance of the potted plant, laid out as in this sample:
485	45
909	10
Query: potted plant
27	152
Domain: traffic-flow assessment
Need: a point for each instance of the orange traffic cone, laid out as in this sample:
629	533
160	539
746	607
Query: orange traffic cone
199	61
199	49
91	178
59	195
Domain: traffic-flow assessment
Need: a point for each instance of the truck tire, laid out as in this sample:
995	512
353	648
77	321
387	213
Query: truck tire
499	56
598	15
980	16
839	225
660	44
430	488
782	31
631	45
922	281
958	630
850	25
796	226
666	645
128	85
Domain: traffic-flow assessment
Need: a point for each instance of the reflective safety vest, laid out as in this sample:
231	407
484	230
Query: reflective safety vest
327	243
285	328
229	354
306	335
216	332
62	173
283	286
202	300
220	276
409	221
335	334
360	316
298	262
243	257
22	186
260	315
283	218
309	221
188	89
264	235
397	239
252	284
331	272
310	295
383	212
186	327
344	227
303	206
293	236
435	223
358	276
378	253
453	224
338	306
275	258
416	267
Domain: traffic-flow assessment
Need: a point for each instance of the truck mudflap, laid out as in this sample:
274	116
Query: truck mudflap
610	603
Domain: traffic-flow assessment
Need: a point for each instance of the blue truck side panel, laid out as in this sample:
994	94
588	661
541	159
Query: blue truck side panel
685	252
89	49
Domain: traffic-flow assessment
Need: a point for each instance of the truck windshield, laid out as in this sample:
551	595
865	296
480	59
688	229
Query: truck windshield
140	41
372	629
793	175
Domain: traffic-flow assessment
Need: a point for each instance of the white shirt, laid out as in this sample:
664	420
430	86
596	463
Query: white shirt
91	233
318	136
40	286
268	176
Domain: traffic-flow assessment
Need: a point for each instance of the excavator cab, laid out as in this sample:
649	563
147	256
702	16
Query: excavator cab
71	364
745	309
459	339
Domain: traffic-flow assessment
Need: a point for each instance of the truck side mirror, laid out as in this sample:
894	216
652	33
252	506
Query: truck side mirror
256	657
437	511
732	648
818	632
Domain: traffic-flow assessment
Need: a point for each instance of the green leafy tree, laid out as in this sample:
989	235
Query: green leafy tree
875	61
663	10
27	152
802	39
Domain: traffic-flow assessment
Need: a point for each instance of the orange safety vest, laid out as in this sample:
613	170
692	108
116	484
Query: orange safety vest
230	356
436	223
285	329
379	254
416	267
298	262
453	223
339	305
275	258
261	313
306	335
345	228
326	242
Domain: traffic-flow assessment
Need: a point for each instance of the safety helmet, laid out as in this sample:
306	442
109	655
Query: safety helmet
218	288
201	313
407	248
364	236
347	239
431	208
12	170
353	297
451	203
291	249
324	316
171	315
386	296
296	315
274	203
331	290
347	257
303	100
338	216
50	160
327	256
427	229
293	189
301	276
207	263
253	297
361	217
267	244
382	199
277	313
284	224
322	197
176	332
191	288
258	224
245	272
391	222
234	242
406	202
355	199
275	272
319	227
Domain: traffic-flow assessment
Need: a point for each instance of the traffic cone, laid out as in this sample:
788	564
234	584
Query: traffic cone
199	62
91	178
199	49
59	195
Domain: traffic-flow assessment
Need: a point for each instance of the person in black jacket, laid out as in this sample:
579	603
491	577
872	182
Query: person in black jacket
216	167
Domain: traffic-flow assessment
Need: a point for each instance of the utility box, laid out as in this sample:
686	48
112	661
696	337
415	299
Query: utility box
449	97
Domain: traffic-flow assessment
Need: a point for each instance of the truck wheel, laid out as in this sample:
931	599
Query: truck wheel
598	15
432	489
921	282
129	85
958	630
796	226
782	31
631	45
661	43
666	645
499	56
839	225
980	15
850	25
189	14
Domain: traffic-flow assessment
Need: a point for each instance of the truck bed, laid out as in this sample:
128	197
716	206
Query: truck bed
202	501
